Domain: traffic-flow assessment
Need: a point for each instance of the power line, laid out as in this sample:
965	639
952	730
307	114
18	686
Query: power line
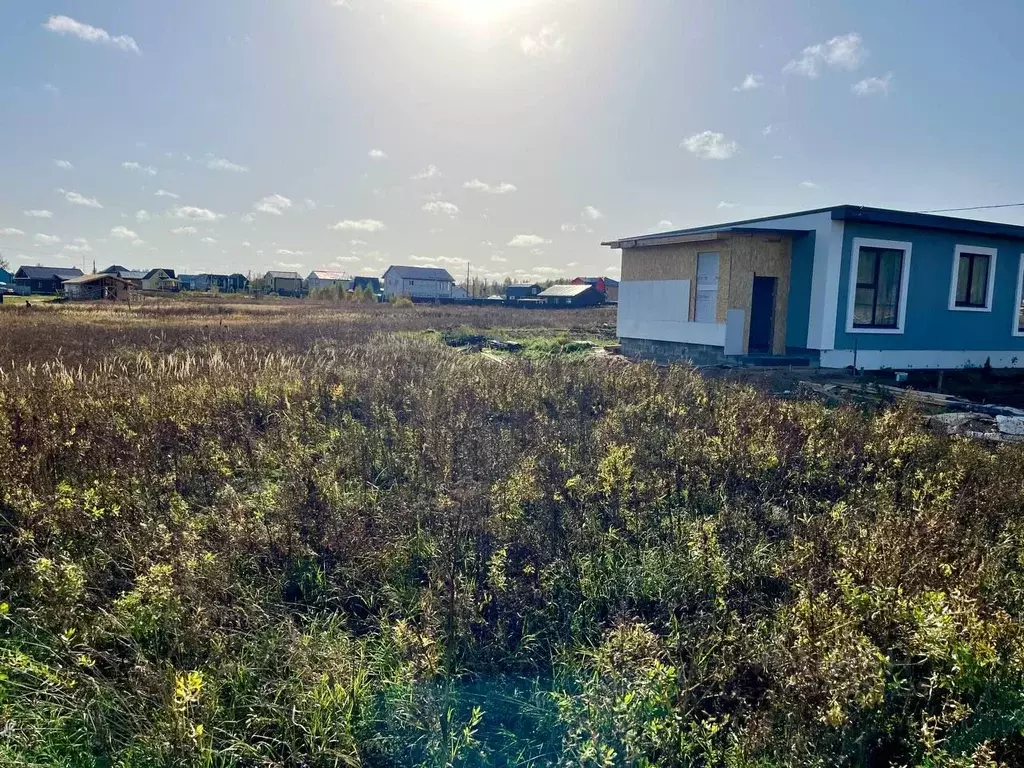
975	208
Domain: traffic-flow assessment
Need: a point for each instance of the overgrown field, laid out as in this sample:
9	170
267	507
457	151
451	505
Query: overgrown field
282	536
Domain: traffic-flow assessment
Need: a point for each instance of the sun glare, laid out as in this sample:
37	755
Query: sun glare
487	13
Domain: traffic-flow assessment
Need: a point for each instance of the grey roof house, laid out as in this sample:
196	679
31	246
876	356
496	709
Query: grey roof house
418	282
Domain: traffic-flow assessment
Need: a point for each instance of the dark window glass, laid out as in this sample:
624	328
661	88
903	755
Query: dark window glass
877	296
972	279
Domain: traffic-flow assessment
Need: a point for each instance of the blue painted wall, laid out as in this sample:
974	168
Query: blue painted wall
6	277
930	324
798	312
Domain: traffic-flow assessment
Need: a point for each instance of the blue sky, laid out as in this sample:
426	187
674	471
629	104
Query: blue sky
512	134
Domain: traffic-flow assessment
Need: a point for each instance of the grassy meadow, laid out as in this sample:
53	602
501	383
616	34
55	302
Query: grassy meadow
289	534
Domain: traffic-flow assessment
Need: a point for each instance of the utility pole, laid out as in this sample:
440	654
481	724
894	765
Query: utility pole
467	280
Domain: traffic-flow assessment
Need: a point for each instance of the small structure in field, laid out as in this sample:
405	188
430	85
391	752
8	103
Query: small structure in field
44	279
283	283
520	291
571	296
418	282
95	287
160	280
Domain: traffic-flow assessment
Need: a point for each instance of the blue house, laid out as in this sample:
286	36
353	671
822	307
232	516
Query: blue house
841	286
7	278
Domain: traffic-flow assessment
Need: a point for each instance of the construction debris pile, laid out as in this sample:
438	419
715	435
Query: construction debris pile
995	423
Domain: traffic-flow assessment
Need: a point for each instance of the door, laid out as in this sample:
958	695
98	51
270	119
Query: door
705	308
762	314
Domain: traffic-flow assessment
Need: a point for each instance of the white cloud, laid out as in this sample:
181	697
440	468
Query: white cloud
844	51
289	252
275	204
248	218
221	164
568	227
527	241
36	214
142	215
750	83
378	154
47	239
664	224
439	259
77	199
208	240
709	145
501	188
498	259
441	207
549	41
133	166
768	130
64	25
165	193
345	258
310	204
871	86
123	233
246	244
289	264
357	242
64	164
139	241
723	204
10	231
51	88
194	213
184	231
547	270
430	172
809	185
78	247
363	225
590	212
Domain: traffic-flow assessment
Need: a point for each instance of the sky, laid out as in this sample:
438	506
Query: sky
512	136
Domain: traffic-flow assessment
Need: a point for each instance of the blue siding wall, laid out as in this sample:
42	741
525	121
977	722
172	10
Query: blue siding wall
930	324
799	311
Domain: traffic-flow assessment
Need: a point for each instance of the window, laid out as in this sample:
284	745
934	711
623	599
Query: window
1018	304
974	271
878	288
879	279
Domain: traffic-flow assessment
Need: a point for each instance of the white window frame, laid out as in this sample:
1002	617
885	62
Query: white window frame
901	312
992	253
1019	298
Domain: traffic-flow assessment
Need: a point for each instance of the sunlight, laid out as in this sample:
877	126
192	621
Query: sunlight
486	13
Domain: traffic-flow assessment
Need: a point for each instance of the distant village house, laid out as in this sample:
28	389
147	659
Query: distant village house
44	280
418	282
283	283
160	280
571	296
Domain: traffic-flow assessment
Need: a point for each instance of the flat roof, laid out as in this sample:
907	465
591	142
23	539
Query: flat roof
844	213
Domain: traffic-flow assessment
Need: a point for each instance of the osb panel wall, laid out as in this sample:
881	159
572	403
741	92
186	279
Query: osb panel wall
741	257
763	256
676	262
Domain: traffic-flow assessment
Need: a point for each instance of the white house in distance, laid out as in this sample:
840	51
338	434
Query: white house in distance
325	278
418	282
